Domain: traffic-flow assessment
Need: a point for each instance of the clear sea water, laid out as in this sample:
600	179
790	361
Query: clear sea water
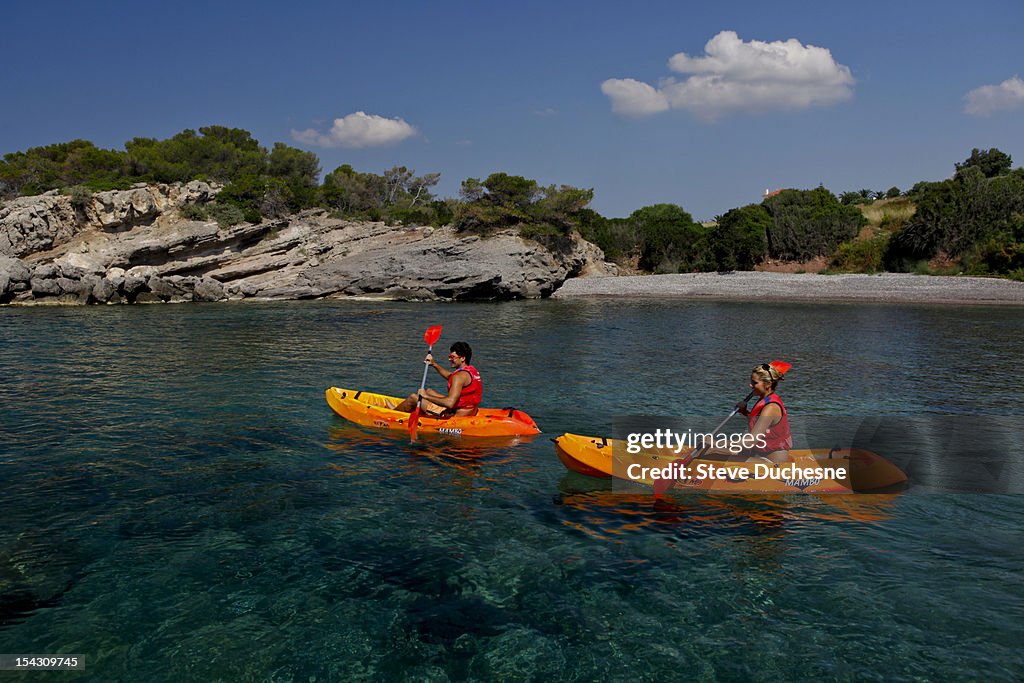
177	502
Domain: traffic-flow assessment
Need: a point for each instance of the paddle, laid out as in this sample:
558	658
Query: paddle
430	336
662	485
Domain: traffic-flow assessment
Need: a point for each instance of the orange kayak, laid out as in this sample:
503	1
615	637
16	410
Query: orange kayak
370	410
824	470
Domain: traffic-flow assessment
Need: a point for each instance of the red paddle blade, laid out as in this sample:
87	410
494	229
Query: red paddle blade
781	366
663	485
432	335
414	419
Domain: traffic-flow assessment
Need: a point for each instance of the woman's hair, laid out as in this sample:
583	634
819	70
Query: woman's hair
462	348
764	371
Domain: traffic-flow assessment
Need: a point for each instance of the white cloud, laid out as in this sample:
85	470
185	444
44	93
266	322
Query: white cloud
358	130
992	98
733	76
633	98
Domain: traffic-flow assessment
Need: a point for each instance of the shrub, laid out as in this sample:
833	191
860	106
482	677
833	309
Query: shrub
410	216
539	232
505	201
970	216
227	215
1002	252
861	256
669	240
81	196
809	223
739	241
193	212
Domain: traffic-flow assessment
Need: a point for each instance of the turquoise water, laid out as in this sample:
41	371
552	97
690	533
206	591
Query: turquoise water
179	503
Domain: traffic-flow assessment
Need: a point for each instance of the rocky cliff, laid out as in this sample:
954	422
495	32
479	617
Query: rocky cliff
135	246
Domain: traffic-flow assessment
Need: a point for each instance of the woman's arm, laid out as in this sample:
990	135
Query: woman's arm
770	416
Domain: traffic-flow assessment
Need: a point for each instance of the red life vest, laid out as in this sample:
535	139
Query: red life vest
778	436
472	392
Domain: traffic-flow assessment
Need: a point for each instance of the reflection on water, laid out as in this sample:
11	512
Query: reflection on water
591	506
179	503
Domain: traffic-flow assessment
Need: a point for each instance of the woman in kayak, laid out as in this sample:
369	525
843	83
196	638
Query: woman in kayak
768	417
465	388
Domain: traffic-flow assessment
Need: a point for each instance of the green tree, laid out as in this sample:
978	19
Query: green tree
972	217
739	241
472	190
298	173
247	193
214	153
512	191
669	239
296	166
991	162
561	207
505	201
500	201
78	162
809	223
418	188
354	194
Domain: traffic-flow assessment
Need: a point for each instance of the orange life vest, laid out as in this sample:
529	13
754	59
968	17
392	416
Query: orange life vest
472	392
778	436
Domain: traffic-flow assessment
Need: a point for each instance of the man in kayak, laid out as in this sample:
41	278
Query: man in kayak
768	417
465	388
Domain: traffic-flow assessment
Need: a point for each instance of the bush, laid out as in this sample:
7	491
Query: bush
443	212
1002	252
617	237
861	256
540	232
970	216
809	223
669	240
410	216
505	201
81	196
991	162
216	153
227	215
193	212
739	241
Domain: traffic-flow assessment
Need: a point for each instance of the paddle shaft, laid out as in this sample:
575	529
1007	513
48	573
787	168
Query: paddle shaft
696	453
423	383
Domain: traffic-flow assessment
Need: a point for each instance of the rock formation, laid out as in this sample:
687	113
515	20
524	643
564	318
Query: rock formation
135	246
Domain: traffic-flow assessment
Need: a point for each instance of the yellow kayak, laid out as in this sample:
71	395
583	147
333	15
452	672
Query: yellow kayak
810	471
370	410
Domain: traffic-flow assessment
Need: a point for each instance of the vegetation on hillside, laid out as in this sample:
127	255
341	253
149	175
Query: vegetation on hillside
976	217
505	201
974	220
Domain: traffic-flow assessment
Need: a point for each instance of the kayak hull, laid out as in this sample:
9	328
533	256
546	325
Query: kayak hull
607	458
370	410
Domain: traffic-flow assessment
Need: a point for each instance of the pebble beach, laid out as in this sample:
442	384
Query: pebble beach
764	286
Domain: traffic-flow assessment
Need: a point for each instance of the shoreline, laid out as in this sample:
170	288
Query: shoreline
896	288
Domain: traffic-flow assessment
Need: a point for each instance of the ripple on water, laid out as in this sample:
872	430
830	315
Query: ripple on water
179	503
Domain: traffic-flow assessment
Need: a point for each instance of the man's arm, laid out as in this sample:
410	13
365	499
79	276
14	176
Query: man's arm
440	370
452	399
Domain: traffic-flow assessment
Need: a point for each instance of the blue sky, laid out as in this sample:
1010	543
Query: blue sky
853	95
